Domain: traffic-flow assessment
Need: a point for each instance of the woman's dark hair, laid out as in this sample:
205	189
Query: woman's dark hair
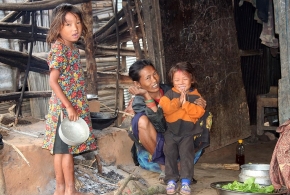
58	19
183	67
137	66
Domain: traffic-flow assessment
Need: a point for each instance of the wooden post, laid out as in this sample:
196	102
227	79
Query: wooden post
282	22
152	19
141	23
131	25
121	91
89	49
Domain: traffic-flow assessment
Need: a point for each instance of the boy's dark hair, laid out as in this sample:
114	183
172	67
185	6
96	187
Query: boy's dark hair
136	67
58	19
183	67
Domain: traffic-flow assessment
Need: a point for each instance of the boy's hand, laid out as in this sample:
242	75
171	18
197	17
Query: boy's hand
72	114
201	102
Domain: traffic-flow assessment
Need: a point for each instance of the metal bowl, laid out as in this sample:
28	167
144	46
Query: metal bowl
74	132
218	187
92	97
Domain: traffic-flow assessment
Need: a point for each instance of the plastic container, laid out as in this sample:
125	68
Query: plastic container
240	153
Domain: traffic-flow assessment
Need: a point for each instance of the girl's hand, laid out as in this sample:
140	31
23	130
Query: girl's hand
201	102
137	91
182	97
72	114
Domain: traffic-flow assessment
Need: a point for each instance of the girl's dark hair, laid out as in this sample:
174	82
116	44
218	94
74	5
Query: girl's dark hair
58	19
183	67
136	67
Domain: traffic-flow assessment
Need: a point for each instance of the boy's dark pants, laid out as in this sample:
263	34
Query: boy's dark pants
182	148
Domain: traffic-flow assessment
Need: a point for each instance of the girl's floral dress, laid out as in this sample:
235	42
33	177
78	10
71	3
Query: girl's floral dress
72	82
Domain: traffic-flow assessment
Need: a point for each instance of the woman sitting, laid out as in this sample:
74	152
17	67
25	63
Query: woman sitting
148	123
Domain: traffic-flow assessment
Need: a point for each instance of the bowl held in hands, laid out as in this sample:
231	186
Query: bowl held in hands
74	132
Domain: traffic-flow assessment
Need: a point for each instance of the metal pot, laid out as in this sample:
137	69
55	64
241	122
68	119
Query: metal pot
101	120
259	171
260	167
260	180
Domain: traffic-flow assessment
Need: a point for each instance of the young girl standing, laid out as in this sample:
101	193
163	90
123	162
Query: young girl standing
182	107
68	97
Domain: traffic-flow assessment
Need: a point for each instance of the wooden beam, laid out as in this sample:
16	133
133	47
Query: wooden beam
14	27
124	37
38	64
132	30
258	52
12	16
22	66
110	30
21	58
37	5
27	94
113	51
108	80
108	24
22	36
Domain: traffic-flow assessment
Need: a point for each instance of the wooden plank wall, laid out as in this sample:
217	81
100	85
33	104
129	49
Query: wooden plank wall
282	22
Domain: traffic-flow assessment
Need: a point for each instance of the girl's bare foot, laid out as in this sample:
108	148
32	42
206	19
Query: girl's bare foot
58	192
79	193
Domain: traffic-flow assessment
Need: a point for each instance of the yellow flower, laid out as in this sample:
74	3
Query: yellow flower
80	103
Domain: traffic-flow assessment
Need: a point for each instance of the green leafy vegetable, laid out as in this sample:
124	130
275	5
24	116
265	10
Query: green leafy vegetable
248	186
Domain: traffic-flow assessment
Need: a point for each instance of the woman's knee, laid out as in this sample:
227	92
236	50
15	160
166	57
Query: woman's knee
147	134
145	126
143	122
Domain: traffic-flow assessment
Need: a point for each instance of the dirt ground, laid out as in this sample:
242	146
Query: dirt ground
256	152
38	177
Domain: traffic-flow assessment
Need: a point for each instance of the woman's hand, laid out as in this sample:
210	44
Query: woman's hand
72	114
137	91
201	102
